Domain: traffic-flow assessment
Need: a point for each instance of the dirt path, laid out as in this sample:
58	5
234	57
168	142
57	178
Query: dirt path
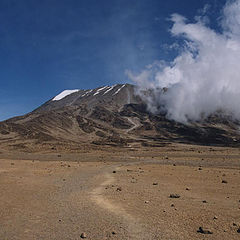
135	229
53	200
135	125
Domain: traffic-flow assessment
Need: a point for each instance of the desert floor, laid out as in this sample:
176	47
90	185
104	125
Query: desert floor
121	194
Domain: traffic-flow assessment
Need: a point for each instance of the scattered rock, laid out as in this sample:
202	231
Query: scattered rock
83	235
174	164
69	165
173	195
215	217
129	170
155	183
234	224
187	189
172	205
147	202
224	181
204	201
200	168
204	231
113	233
238	230
119	189
114	171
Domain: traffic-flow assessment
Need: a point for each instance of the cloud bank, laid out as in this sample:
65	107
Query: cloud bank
205	76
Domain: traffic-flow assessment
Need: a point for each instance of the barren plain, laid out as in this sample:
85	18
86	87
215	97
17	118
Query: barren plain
172	192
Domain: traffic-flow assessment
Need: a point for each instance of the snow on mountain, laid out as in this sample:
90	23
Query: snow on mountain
91	92
109	89
99	90
64	94
119	89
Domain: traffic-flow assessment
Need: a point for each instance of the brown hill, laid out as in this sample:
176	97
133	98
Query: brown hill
110	115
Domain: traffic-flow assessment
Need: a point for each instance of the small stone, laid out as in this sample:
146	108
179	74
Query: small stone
215	217
69	165
114	233
204	231
83	235
172	205
200	168
147	202
224	181
238	230
174	164
155	183
234	224
187	189
114	171
174	195
119	189
204	201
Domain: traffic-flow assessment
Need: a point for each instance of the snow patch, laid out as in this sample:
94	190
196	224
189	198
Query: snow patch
63	94
99	90
119	89
86	93
110	88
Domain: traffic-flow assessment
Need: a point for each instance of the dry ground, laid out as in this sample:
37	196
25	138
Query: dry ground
60	195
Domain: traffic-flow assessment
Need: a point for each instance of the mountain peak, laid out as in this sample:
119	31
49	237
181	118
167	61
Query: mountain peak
107	115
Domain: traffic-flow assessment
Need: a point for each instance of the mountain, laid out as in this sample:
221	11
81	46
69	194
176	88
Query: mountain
108	116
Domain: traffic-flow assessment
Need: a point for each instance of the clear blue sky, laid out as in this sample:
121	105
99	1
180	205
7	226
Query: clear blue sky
50	45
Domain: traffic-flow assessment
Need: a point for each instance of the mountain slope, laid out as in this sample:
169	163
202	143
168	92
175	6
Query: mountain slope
109	115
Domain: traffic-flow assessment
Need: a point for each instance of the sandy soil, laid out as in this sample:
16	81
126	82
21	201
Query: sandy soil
121	195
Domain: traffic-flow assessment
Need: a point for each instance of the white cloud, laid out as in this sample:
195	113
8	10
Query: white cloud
205	77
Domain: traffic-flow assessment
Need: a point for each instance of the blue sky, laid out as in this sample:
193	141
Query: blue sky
50	45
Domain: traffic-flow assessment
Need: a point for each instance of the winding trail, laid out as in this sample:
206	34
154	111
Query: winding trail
135	125
135	230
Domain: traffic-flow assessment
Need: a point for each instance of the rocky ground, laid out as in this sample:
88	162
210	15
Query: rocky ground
173	192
